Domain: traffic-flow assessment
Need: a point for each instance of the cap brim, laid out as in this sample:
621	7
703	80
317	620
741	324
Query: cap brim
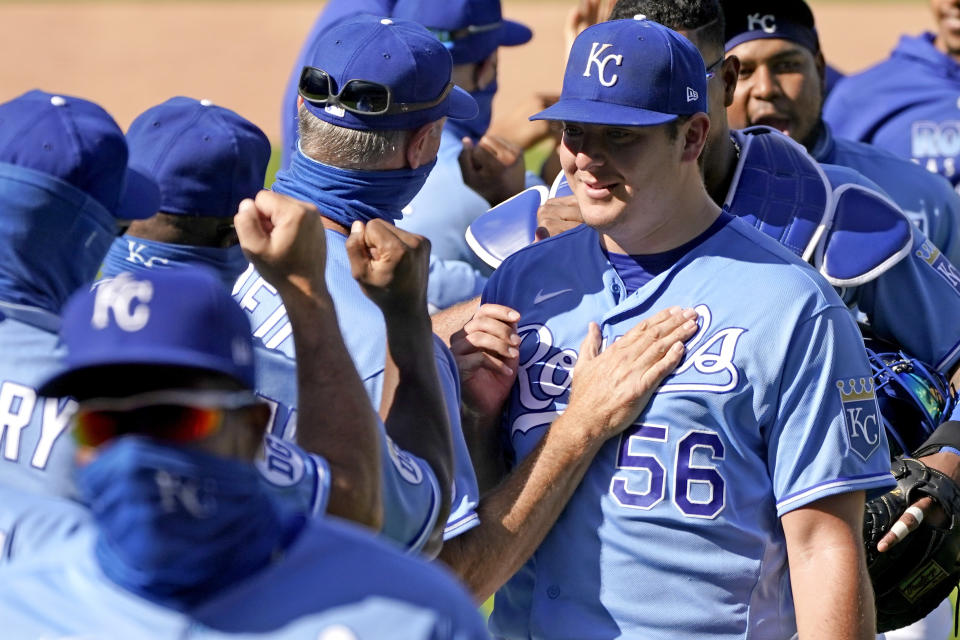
461	105
506	228
598	112
140	198
78	376
514	33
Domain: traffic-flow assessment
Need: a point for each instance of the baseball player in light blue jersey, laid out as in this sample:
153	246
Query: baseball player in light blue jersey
781	85
183	541
205	159
760	444
366	147
64	184
907	104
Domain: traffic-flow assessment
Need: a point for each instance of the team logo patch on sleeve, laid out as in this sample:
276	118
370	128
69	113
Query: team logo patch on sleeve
939	263
861	415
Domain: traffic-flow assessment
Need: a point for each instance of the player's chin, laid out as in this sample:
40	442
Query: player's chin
602	215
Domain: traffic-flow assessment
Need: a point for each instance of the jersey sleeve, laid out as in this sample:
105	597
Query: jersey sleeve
827	436
465	494
297	479
916	304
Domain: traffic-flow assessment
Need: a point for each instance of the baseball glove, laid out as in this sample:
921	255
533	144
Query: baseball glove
919	572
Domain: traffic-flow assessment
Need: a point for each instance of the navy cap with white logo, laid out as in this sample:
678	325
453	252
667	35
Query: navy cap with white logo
630	73
748	20
204	158
170	318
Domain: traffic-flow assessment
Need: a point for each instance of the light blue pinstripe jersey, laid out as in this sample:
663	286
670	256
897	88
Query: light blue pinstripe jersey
674	531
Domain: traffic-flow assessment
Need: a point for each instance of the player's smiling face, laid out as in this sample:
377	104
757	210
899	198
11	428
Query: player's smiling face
780	85
615	171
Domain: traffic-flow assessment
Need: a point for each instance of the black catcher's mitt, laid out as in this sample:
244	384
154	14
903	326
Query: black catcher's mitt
920	571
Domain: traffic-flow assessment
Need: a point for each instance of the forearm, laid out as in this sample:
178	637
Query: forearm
449	321
517	515
416	418
335	419
829	543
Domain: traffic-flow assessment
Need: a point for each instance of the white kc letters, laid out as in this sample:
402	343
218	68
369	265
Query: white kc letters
117	296
595	59
767	23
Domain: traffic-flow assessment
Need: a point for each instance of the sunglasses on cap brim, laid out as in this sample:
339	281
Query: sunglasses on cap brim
179	416
362	97
446	35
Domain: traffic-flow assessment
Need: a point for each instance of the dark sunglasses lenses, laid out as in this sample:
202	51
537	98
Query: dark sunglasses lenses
314	85
364	97
169	422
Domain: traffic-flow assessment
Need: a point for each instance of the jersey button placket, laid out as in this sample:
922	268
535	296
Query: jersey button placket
553	592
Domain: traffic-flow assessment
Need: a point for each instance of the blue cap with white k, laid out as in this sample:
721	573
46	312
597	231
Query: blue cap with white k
204	158
399	54
79	143
630	73
171	318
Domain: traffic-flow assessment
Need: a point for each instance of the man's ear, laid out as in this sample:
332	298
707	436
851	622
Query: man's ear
729	73
299	101
423	144
694	133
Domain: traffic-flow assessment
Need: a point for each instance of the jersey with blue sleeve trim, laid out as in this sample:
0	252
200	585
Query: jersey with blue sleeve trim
411	496
906	104
927	199
333	582
771	409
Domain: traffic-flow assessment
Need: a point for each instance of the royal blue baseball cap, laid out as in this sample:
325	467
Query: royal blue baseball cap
399	54
634	73
470	29
78	142
747	20
204	158
181	317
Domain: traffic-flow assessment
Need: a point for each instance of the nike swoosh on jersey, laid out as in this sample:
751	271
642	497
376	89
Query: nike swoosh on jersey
543	297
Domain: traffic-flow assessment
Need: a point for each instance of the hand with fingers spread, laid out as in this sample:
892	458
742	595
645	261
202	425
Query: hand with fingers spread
611	388
557	215
284	239
493	168
390	264
487	353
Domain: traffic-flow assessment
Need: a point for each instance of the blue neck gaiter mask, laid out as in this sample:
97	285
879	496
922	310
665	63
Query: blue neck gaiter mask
345	195
176	525
128	253
474	129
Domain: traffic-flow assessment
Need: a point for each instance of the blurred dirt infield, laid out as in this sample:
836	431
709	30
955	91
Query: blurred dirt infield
128	57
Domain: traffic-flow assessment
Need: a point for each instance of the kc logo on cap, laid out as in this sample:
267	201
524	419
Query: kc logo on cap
594	59
117	297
